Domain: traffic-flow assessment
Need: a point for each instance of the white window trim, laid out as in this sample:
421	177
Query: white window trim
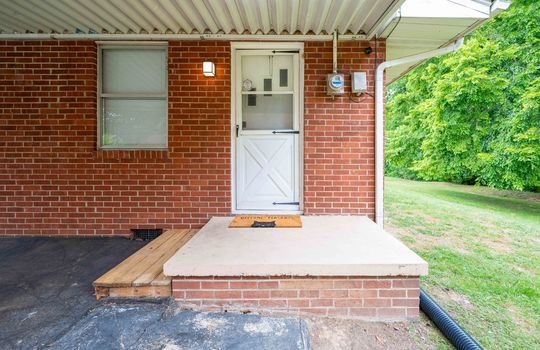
142	45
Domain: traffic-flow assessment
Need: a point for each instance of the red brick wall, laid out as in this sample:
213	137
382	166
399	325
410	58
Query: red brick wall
53	181
351	297
339	134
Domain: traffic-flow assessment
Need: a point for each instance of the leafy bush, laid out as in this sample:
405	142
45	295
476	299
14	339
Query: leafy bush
473	116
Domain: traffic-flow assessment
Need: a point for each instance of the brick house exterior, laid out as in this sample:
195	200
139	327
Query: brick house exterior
55	182
382	298
68	99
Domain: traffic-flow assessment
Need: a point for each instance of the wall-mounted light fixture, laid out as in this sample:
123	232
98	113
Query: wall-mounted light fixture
209	69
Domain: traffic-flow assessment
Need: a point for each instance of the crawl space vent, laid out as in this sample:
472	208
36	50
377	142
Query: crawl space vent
146	233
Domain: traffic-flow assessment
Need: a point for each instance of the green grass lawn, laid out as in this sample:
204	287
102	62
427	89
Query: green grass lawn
483	250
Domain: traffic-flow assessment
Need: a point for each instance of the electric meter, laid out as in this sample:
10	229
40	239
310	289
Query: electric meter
335	84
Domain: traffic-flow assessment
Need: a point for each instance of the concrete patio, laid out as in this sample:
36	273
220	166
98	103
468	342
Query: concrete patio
343	266
324	246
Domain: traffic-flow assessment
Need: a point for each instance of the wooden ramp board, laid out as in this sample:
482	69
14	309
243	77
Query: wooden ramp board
282	221
141	274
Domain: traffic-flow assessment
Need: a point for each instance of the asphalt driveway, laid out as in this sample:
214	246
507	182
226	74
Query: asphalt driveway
47	301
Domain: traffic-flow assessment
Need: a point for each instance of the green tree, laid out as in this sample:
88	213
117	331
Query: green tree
473	116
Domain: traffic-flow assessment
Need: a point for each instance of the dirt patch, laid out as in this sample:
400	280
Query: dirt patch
399	232
446	294
430	219
417	216
424	242
492	235
495	237
331	333
524	270
519	320
500	245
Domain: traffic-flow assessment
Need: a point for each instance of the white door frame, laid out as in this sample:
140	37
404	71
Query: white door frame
234	84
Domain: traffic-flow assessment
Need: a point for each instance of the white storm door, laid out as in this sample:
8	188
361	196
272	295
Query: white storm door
267	131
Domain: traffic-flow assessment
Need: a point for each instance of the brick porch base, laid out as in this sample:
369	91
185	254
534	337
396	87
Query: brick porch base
372	298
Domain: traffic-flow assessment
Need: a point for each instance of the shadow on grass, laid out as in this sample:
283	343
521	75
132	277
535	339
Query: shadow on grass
520	207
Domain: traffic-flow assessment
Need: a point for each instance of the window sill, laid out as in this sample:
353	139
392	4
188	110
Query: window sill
135	154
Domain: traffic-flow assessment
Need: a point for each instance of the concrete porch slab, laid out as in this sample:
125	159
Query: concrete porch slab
324	246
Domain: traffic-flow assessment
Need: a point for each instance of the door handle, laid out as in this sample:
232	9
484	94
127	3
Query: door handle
286	203
237	128
286	132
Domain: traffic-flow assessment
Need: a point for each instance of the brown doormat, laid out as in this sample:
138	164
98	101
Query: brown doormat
281	221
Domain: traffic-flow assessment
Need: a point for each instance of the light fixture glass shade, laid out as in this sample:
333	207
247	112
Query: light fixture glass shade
209	69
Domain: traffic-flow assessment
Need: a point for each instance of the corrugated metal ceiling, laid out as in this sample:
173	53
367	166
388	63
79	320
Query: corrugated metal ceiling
194	16
418	26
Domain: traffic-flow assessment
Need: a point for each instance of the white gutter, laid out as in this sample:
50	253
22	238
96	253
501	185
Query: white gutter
162	37
379	119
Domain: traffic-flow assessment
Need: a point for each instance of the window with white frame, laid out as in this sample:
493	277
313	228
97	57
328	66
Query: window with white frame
133	97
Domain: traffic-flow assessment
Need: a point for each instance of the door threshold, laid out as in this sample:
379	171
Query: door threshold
267	212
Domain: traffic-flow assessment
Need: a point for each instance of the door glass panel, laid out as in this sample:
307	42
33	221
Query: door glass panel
267	92
262	112
268	72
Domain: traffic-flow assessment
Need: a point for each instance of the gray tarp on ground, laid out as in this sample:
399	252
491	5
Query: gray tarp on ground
145	326
46	301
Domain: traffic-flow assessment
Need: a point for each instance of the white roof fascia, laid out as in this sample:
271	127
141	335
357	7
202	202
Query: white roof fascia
499	6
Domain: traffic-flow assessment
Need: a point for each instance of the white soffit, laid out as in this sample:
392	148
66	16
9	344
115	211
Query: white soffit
424	25
355	17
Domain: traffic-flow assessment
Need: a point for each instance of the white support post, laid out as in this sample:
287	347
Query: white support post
379	120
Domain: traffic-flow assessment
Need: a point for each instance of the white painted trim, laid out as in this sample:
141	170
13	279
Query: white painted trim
499	6
379	119
98	98
233	128
266	92
234	71
127	42
267	212
171	37
245	45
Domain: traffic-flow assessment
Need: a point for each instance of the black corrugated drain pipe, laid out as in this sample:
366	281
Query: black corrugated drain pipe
451	330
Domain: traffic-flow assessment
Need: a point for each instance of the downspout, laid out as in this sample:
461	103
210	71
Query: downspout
379	119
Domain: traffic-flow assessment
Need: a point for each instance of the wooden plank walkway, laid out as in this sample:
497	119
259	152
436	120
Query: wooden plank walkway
141	274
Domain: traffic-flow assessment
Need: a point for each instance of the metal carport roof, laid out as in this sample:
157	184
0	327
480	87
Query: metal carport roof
410	26
195	16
